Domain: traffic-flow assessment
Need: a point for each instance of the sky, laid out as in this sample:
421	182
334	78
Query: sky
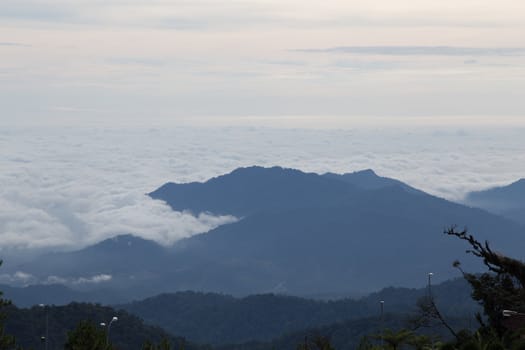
104	101
167	60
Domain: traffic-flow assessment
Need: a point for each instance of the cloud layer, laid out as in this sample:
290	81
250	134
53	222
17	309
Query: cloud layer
23	279
424	50
65	188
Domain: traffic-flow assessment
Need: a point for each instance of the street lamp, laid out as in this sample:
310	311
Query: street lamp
46	337
114	319
382	304
510	313
430	274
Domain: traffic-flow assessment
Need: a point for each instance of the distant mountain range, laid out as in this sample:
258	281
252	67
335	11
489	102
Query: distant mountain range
507	201
254	322
209	318
299	233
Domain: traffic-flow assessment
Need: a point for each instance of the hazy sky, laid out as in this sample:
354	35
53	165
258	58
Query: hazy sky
118	60
104	100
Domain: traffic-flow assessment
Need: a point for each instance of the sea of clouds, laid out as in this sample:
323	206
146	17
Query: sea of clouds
68	187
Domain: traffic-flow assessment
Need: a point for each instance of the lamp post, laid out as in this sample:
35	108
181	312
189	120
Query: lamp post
382	305
114	319
510	313
46	337
430	274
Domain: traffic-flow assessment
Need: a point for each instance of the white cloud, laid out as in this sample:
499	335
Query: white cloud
80	187
24	279
77	186
423	50
93	279
19	278
55	280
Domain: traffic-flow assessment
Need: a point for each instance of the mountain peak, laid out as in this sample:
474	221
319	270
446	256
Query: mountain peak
367	179
245	191
124	242
367	172
256	170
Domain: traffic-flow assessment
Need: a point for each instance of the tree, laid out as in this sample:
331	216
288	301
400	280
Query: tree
501	288
428	312
164	345
6	341
87	336
401	339
394	340
317	343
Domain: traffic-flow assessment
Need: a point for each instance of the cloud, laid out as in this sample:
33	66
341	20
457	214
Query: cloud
19	278
74	191
136	61
177	15
24	279
55	280
35	10
93	279
422	50
77	186
199	15
14	44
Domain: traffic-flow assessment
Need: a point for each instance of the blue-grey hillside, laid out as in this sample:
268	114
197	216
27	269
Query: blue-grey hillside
114	270
367	179
299	234
306	233
508	201
247	191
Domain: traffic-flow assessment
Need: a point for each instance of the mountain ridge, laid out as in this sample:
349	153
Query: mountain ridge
299	233
507	201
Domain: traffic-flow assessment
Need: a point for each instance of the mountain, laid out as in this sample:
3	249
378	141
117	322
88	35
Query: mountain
300	234
249	190
52	294
363	240
217	319
368	179
121	268
222	319
508	201
246	191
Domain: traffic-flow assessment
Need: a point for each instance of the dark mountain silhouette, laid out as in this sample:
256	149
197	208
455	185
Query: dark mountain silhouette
129	332
301	234
508	201
347	335
246	191
223	319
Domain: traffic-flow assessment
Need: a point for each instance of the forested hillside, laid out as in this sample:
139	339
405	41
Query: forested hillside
128	333
221	319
